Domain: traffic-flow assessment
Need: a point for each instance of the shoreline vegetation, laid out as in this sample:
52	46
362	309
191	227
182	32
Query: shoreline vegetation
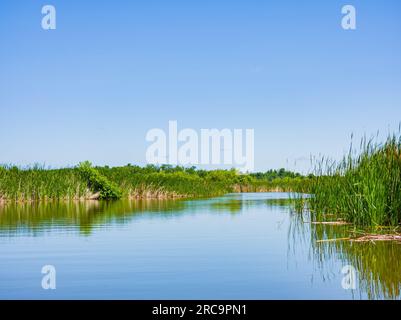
86	182
364	188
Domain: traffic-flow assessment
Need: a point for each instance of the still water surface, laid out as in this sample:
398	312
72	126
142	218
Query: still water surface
240	246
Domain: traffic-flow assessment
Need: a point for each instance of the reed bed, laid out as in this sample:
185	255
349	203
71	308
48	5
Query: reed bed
38	183
84	181
364	188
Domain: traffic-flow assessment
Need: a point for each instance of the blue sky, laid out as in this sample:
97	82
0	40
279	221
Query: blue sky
112	70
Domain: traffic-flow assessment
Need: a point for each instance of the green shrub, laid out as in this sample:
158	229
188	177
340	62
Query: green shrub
99	183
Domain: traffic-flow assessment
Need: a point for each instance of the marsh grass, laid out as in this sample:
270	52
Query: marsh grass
84	181
39	183
151	182
364	188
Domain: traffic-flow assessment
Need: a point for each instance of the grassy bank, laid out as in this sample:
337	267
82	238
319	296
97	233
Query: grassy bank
87	182
364	188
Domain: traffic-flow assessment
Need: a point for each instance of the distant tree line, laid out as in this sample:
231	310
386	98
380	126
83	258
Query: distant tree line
271	175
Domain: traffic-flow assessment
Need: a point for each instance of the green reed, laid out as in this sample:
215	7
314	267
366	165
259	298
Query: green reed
39	183
150	182
87	182
364	188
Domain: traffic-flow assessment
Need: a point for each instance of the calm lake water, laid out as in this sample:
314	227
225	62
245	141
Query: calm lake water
240	246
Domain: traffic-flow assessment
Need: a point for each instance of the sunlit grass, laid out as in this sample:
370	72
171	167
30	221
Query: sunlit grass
364	188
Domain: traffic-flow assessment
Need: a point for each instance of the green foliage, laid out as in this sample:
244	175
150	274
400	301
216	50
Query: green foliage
364	188
130	181
38	183
271	175
98	183
165	182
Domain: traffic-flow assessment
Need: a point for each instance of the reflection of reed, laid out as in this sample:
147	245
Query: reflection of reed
238	205
36	217
378	264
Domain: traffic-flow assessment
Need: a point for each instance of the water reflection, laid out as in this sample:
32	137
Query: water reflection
378	264
34	218
44	216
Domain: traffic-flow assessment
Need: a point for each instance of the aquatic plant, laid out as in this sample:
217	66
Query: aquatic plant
364	188
39	183
88	182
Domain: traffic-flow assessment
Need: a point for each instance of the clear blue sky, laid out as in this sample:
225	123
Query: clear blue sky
114	69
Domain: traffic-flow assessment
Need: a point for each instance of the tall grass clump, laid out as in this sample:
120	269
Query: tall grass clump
364	188
39	183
